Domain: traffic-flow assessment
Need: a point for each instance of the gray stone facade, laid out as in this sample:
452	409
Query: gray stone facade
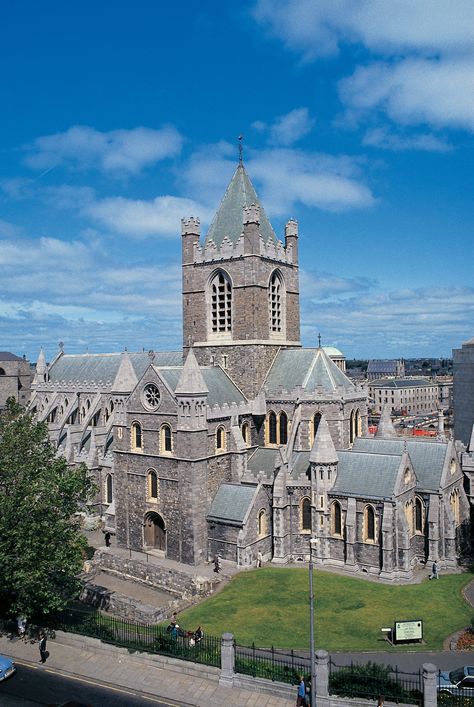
15	378
248	443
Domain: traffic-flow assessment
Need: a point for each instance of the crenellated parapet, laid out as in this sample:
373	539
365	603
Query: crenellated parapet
190	226
228	250
216	412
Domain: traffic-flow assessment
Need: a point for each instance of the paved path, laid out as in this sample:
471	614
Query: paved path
115	666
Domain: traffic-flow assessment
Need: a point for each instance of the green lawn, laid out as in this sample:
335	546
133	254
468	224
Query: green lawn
270	606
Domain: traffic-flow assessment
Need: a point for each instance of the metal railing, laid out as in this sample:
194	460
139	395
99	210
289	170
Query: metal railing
270	664
139	636
371	680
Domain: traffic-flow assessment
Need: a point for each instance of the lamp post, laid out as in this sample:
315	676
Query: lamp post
312	544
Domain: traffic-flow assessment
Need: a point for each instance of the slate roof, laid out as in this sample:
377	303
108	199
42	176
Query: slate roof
229	218
104	367
263	459
7	356
427	456
310	369
380	365
231	503
401	383
221	388
366	475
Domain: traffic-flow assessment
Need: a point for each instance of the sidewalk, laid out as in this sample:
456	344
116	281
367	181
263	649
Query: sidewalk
178	683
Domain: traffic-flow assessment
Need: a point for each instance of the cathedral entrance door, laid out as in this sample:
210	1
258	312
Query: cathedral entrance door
154	532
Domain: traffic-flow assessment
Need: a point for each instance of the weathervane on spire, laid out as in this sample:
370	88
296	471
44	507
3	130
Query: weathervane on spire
319	341
241	149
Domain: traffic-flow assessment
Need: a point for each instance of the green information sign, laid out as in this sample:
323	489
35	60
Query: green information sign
408	630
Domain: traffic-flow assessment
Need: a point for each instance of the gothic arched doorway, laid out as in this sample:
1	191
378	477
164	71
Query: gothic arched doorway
154	532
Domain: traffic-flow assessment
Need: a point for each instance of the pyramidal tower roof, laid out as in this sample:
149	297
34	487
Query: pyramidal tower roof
229	218
191	380
385	427
323	450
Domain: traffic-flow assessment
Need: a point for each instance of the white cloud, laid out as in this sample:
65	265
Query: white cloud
289	177
382	137
141	219
421	66
414	91
118	152
287	129
319	28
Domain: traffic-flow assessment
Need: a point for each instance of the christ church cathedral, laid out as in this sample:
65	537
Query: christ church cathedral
245	442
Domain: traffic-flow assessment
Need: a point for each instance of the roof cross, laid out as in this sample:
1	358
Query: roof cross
241	149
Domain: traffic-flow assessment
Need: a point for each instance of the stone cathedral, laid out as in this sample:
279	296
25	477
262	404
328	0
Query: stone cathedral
245	441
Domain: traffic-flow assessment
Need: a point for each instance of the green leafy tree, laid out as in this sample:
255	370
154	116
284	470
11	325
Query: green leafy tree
41	547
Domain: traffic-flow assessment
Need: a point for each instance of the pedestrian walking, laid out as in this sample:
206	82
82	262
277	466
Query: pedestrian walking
259	559
381	701
217	564
434	571
21	624
107	539
301	697
42	647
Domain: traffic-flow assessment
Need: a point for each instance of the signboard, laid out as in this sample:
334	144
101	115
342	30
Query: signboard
408	630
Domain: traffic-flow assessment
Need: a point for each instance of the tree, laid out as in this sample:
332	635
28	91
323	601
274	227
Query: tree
41	547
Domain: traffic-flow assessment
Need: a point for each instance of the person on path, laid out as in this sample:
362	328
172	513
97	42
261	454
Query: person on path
217	564
107	539
259	559
301	698
198	634
21	624
434	571
42	647
381	701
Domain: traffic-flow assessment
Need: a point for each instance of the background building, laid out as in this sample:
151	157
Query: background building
463	391
15	378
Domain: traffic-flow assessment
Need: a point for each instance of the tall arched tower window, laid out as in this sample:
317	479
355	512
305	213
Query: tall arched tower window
336	518
272	428
276	303
220	304
283	425
305	515
369	524
109	488
418	515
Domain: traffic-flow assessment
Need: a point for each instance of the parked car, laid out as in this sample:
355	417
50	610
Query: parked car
457	682
7	667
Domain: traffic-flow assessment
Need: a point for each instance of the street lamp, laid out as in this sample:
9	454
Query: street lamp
312	545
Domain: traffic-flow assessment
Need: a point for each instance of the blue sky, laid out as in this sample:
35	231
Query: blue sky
119	118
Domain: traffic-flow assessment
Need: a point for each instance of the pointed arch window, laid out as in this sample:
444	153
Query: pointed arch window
137	440
314	424
221	303
166	440
369	524
221	439
275	303
272	428
305	510
352	428
152	485
418	515
262	523
246	433
283	428
454	502
336	518
109	489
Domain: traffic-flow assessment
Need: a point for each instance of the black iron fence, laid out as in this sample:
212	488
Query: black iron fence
371	680
270	664
137	636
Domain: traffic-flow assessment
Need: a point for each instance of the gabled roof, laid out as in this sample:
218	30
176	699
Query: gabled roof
310	369
104	367
229	218
221	389
263	459
427	456
401	383
367	475
231	503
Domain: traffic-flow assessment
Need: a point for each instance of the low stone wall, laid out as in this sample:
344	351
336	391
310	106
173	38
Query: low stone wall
121	605
178	583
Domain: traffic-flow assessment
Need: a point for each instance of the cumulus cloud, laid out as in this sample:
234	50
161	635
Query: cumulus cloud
118	152
320	28
383	137
414	91
420	65
287	129
142	219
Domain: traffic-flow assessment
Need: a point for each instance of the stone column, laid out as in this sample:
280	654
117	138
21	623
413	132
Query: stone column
430	692
226	678
322	674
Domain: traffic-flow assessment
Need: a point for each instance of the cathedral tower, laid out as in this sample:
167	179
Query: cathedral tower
241	288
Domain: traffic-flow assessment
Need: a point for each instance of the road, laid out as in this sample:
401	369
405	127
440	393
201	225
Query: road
40	685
